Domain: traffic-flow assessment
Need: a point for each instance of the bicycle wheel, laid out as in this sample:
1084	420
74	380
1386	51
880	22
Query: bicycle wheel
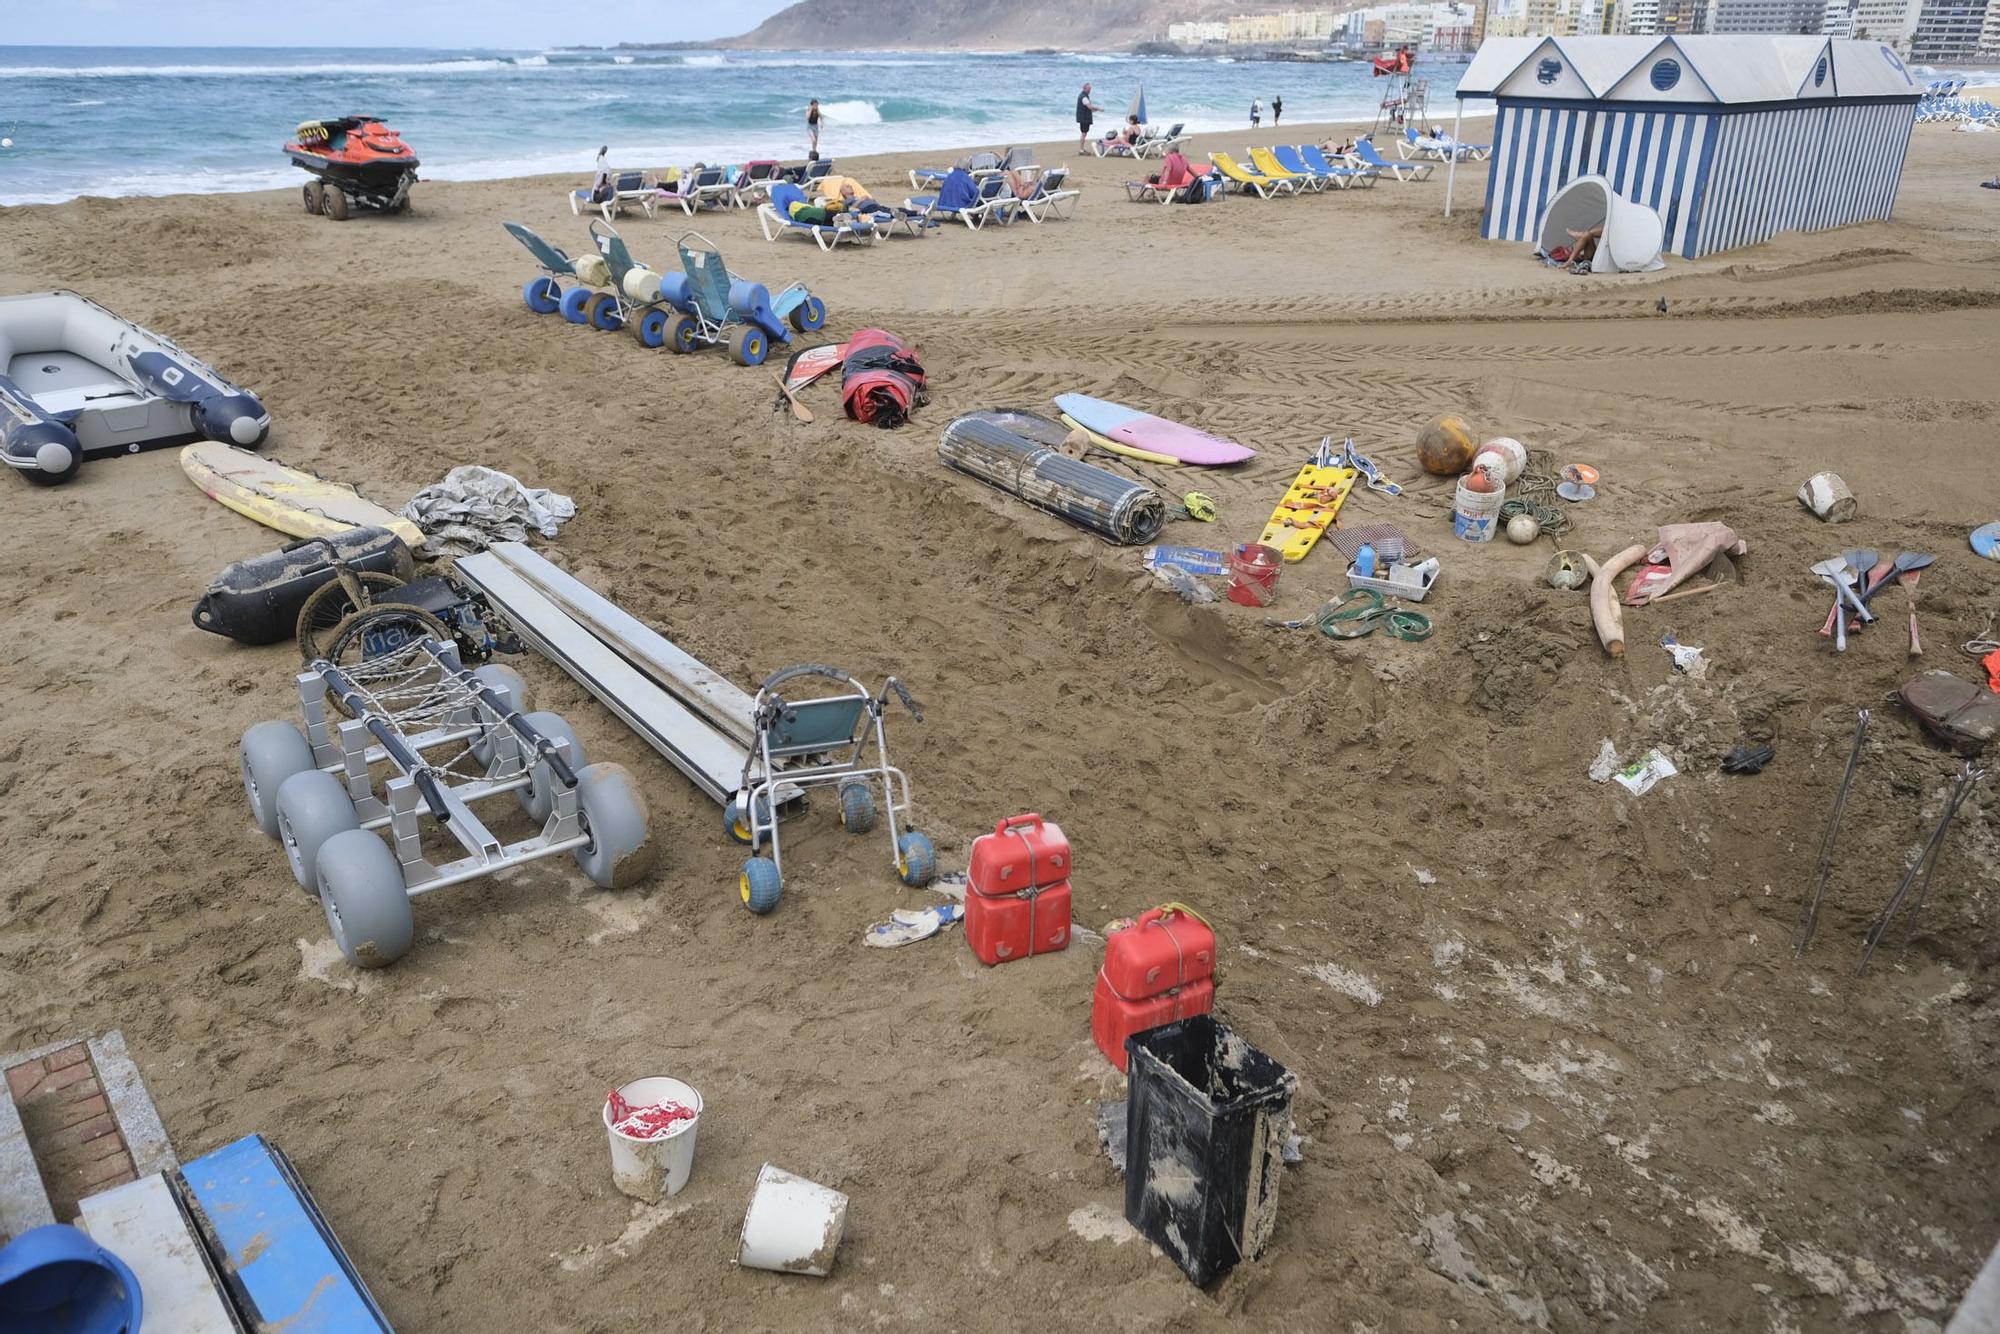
330	604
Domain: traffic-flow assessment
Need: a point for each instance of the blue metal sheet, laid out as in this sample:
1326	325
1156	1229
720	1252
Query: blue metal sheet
284	1267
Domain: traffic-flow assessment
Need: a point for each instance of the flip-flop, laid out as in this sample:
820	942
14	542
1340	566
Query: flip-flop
906	926
1986	540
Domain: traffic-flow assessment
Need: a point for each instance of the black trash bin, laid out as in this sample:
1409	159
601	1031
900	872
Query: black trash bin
1204	1127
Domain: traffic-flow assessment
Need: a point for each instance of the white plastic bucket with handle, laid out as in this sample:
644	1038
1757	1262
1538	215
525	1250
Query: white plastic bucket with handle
793	1226
1476	514
648	1169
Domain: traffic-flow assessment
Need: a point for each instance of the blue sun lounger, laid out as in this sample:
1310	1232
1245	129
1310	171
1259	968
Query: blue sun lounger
1366	154
957	197
627	187
1347	178
774	218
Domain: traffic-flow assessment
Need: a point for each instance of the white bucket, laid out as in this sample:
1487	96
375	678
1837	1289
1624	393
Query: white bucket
1476	514
793	1226
1828	497
647	1168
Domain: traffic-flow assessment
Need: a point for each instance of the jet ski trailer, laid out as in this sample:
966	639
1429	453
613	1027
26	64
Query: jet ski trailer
754	755
78	382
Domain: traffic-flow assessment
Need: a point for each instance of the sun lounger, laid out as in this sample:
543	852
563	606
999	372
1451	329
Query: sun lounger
1288	157
758	176
1366	155
1266	162
1175	175
716	187
1052	198
1345	176
971	202
1161	144
1253	182
774	218
1414	145
934	176
1021	158
627	187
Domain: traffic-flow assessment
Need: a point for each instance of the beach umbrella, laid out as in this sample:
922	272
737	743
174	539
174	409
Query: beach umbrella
1138	107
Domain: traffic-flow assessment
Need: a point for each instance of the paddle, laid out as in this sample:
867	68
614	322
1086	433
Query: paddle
799	410
1878	575
1834	570
1908	579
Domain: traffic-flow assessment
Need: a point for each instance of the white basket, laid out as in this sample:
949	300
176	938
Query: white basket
1408	592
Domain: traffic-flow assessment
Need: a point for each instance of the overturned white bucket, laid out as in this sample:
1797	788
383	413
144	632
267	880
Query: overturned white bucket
1632	234
793	1226
648	1169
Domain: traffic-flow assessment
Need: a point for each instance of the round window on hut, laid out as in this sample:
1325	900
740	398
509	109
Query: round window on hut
1666	74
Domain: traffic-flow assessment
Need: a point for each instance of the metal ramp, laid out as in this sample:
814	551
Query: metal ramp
700	722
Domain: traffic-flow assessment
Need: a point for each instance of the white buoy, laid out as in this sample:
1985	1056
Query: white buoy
6	143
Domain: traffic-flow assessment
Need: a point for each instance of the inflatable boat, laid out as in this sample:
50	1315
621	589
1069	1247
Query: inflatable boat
78	382
356	162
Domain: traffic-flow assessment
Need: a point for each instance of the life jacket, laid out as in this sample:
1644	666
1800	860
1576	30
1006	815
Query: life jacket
882	381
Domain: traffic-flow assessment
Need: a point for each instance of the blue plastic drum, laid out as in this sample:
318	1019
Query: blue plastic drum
56	1280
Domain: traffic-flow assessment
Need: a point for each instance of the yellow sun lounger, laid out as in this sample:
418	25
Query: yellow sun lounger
1275	170
1263	186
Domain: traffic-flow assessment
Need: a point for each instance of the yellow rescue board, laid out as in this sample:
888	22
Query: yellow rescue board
1129	451
284	498
1308	509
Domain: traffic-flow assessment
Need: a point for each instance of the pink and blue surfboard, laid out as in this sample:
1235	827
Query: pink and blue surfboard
1157	435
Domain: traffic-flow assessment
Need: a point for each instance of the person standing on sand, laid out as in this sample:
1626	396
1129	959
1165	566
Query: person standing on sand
600	185
1277	110
812	125
1256	112
1085	108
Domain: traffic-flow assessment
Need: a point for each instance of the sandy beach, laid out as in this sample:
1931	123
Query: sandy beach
1558	1064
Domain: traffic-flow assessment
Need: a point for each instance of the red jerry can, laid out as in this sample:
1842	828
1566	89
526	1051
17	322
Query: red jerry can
1154	972
1017	900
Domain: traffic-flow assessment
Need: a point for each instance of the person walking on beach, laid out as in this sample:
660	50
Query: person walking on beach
600	184
1256	112
812	126
1277	110
1085	109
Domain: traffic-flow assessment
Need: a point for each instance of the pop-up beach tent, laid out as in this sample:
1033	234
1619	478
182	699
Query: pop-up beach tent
1731	140
1630	241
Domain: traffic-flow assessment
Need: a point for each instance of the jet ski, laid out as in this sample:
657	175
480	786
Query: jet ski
357	162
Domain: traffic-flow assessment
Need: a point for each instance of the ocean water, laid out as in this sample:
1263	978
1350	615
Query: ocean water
125	121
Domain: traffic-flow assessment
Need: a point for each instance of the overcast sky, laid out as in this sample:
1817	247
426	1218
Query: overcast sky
505	24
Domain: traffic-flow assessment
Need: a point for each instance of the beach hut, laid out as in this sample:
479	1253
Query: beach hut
1732	140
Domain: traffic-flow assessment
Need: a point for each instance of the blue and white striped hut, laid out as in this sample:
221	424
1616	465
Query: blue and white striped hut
1731	139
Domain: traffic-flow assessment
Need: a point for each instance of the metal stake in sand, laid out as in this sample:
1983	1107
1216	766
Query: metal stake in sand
1926	862
1811	922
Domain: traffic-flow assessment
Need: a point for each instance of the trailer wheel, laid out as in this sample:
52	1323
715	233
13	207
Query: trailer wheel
367	907
620	852
271	753
760	885
538	798
336	204
686	335
604	313
750	347
809	314
543	295
312	808
573	303
651	329
505	682
857	808
315	196
916	860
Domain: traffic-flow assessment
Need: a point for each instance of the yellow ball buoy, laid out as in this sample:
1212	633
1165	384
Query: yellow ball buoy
1445	446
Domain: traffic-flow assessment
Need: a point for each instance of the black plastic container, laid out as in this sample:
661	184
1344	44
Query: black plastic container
257	601
1204	1128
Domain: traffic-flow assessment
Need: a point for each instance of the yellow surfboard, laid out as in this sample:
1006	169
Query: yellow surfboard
1129	451
287	499
1308	509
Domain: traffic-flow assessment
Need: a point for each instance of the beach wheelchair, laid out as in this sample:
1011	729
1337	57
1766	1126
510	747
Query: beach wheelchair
713	301
821	740
546	295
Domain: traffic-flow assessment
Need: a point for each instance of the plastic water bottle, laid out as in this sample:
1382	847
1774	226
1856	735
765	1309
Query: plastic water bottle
1364	561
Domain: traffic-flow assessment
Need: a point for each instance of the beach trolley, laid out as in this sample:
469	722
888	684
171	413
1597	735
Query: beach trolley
445	739
821	740
713	300
753	755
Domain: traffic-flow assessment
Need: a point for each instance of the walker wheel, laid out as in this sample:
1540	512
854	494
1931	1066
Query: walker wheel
687	334
916	860
543	295
760	885
366	903
857	808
